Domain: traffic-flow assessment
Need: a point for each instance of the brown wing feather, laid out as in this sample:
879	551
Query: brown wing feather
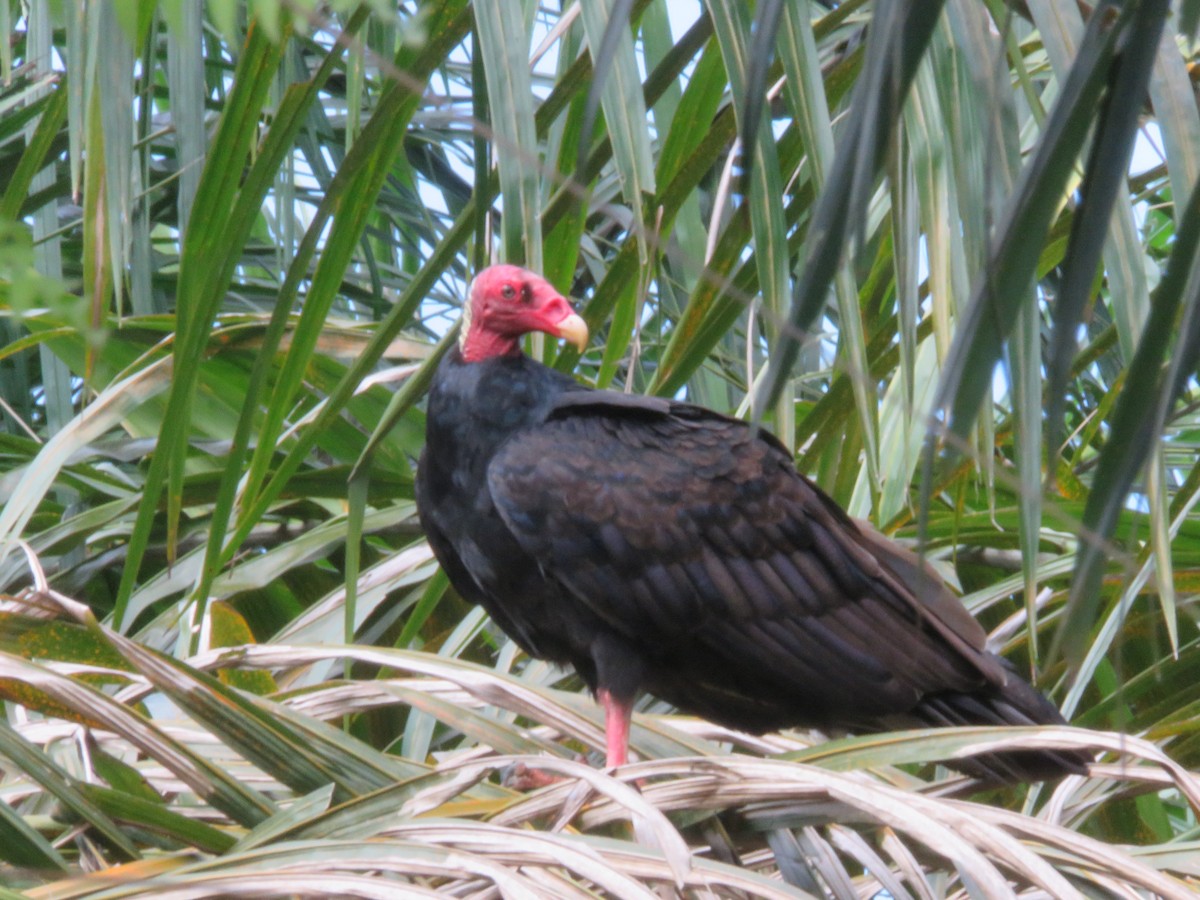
751	597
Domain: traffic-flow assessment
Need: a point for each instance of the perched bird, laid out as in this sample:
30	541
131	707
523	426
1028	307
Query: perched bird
658	546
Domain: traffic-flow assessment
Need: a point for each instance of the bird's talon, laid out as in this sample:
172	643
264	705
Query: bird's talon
522	778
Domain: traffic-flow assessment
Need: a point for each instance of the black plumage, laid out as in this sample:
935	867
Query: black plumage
658	546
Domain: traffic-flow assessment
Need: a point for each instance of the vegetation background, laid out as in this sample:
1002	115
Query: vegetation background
233	244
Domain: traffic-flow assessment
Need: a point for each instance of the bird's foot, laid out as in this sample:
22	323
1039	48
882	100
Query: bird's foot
523	778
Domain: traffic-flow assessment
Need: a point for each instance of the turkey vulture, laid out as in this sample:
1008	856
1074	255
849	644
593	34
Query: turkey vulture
658	546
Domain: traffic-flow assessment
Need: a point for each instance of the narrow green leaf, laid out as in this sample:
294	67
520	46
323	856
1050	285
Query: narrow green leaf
503	41
186	88
297	816
691	126
34	157
625	117
620	333
23	845
1025	389
766	182
1160	543
115	105
762	36
356	502
157	819
76	108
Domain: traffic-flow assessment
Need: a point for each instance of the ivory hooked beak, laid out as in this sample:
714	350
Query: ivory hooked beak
574	330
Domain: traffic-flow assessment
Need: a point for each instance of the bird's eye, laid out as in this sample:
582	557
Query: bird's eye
508	292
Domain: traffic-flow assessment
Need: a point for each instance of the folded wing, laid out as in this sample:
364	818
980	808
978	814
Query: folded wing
748	595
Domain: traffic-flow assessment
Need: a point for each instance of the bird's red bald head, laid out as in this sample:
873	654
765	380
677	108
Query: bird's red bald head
504	303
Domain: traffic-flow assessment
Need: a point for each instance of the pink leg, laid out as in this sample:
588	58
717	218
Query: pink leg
616	727
617	716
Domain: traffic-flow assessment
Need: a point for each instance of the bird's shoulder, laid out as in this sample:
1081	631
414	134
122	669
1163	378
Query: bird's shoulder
652	451
610	421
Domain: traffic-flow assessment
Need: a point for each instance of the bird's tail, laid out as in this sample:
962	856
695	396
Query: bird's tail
1016	703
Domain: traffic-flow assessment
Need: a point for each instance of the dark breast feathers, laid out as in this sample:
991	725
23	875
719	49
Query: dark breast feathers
659	546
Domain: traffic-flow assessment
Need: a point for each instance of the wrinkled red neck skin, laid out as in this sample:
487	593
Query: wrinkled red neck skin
477	345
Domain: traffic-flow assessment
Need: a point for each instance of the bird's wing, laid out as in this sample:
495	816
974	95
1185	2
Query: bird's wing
687	532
